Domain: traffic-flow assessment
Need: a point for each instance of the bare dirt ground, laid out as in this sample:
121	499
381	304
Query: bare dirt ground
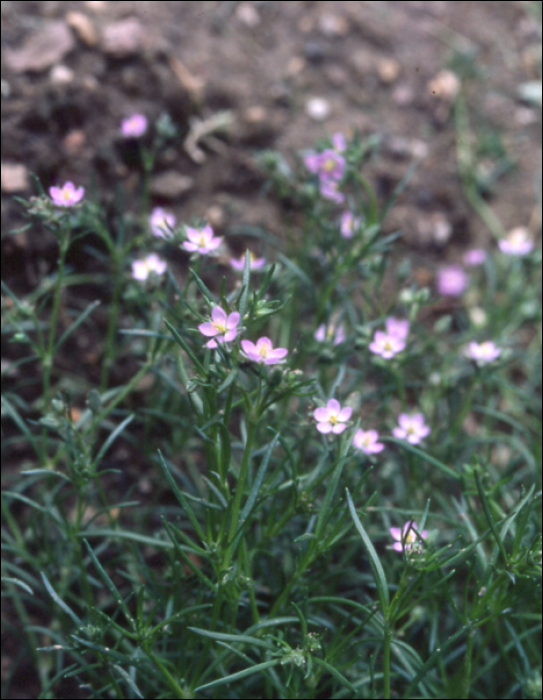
275	75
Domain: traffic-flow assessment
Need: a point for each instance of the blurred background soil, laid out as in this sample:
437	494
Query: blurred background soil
246	76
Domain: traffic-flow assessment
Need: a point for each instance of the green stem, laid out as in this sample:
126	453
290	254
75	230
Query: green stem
467	667
242	478
47	361
112	329
178	690
387	642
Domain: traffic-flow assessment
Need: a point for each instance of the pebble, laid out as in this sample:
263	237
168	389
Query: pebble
445	85
403	95
332	25
61	74
122	39
171	184
315	51
5	88
318	108
74	142
43	49
388	70
83	28
248	14
14	177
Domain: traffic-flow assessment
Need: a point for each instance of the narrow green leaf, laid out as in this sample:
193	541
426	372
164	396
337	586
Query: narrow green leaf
426	457
240	674
181	341
205	291
82	317
112	588
328	667
60	602
238	638
244	294
18	582
111	439
129	682
378	572
488	516
181	498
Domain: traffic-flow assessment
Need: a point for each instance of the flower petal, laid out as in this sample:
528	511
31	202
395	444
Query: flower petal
345	414
233	320
333	405
338	428
324	428
208	329
321	414
396	533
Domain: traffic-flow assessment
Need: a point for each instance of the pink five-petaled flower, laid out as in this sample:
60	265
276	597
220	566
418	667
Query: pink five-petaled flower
474	257
67	195
398	327
263	352
330	332
411	428
254	263
201	241
483	353
406	538
451	281
386	344
221	328
161	221
367	441
517	242
142	268
349	224
134	126
332	418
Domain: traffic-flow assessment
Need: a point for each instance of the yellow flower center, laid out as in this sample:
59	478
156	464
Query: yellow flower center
333	419
264	350
219	326
411	538
329	165
202	242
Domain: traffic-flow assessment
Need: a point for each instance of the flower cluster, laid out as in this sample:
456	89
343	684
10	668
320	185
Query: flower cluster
332	418
134	126
517	242
263	352
201	240
67	195
483	353
411	428
393	341
329	166
141	269
330	332
161	221
221	328
407	537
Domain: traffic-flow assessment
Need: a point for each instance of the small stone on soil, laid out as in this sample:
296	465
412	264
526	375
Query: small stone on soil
83	28
318	108
42	49
123	38
171	184
14	177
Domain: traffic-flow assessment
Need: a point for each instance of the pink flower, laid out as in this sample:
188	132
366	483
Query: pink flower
67	195
221	328
366	440
142	268
330	332
332	418
397	327
201	241
484	353
263	352
407	538
328	165
386	344
411	428
474	257
255	263
451	281
517	242
329	189
134	126
339	142
349	224
161	221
